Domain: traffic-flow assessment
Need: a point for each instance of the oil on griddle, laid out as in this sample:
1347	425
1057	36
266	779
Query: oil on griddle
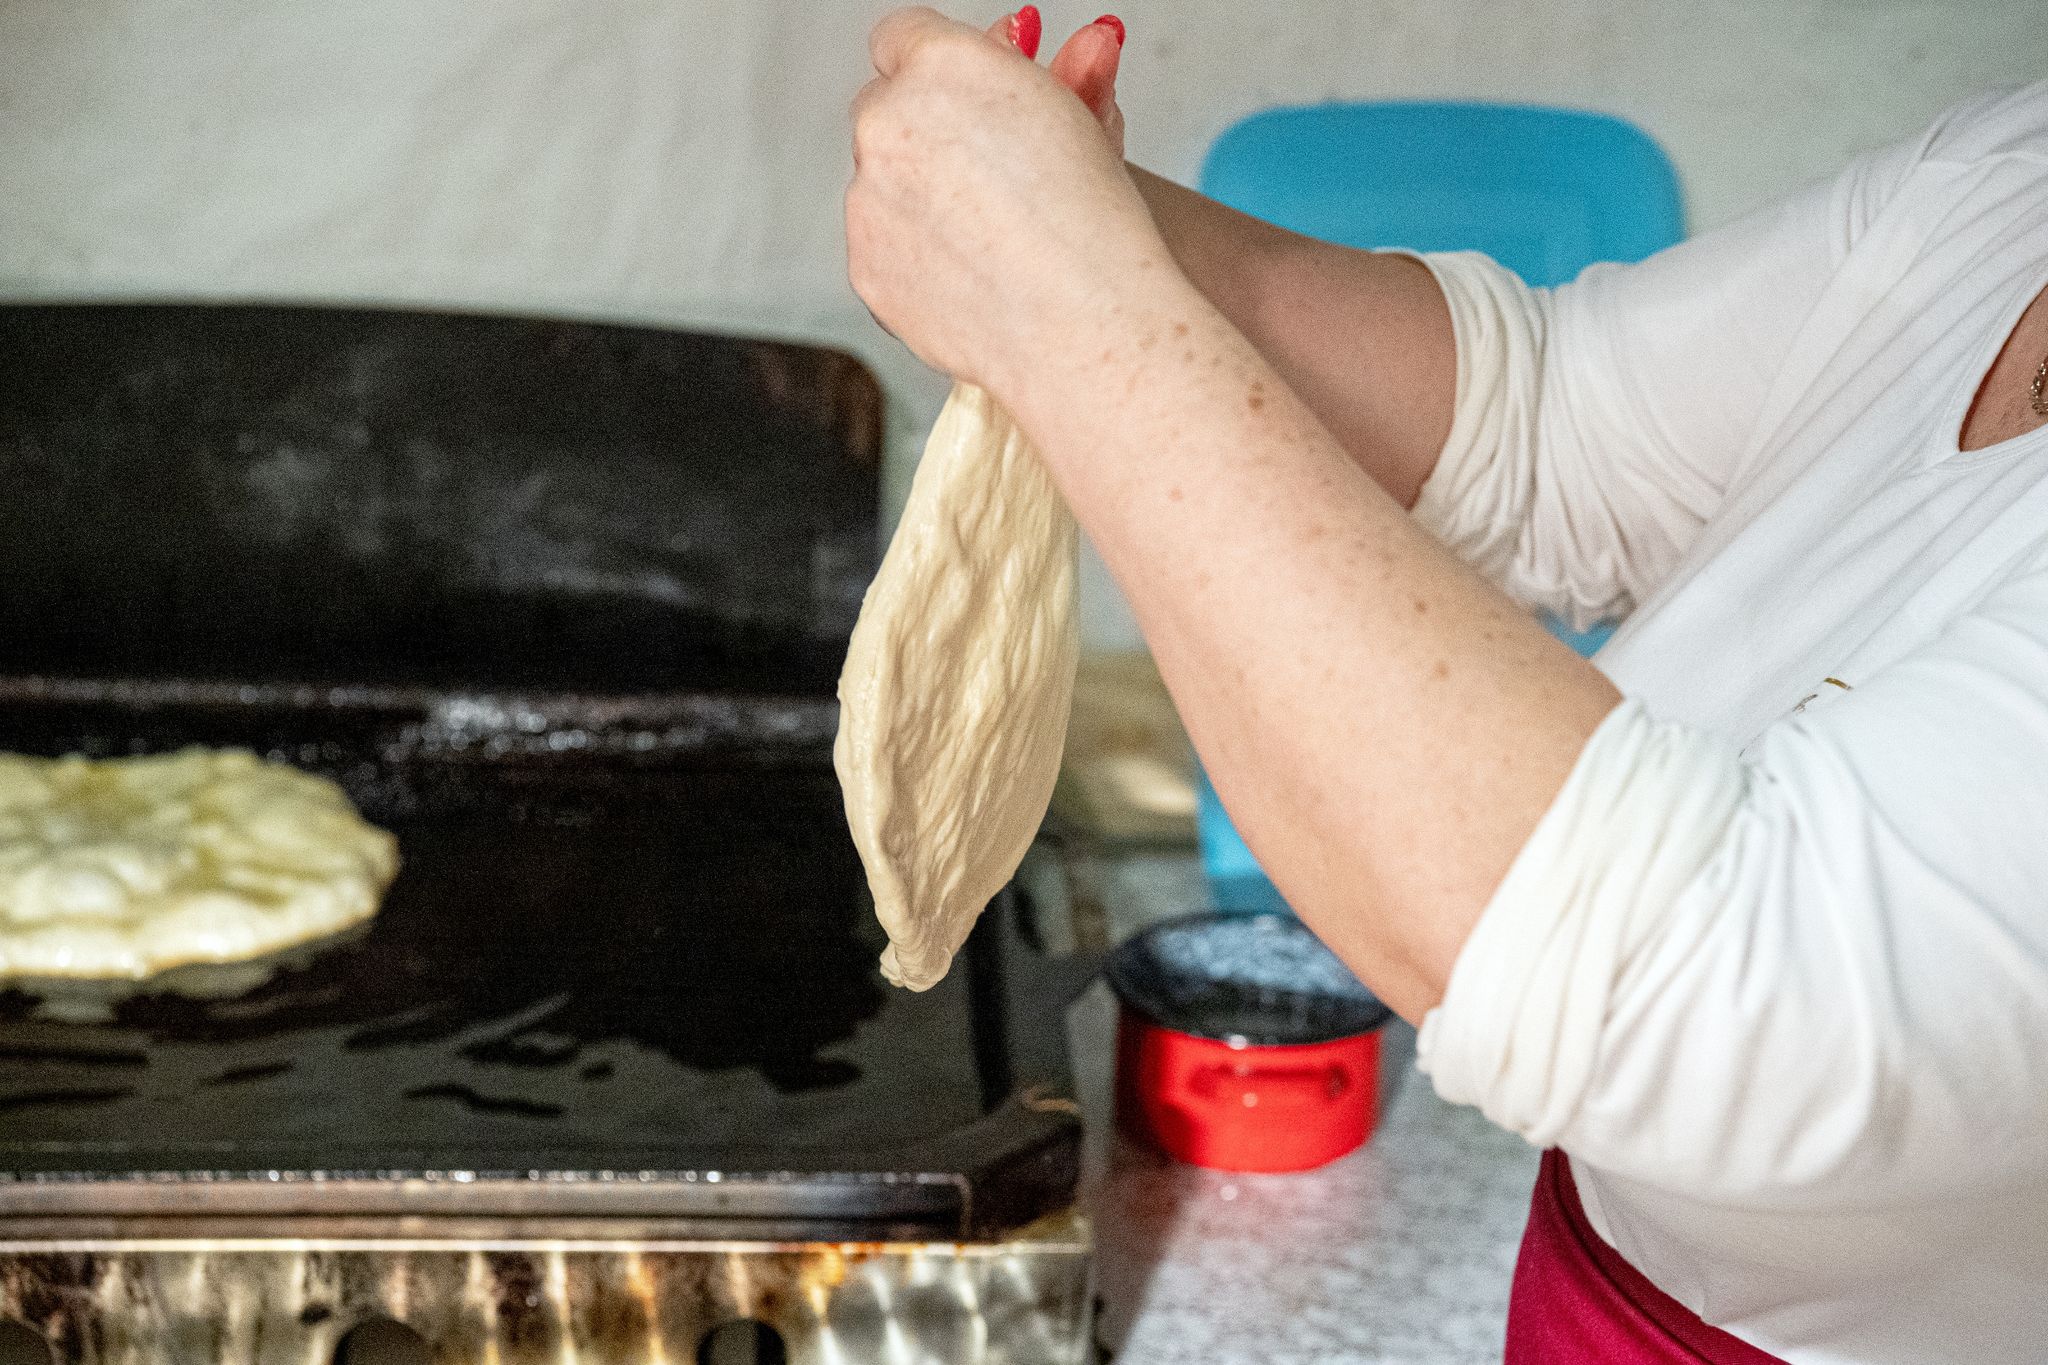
558	604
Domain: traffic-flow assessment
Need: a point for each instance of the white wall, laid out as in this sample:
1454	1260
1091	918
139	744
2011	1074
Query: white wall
679	162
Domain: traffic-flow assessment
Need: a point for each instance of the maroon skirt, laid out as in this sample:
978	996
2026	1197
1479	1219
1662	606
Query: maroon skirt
1577	1302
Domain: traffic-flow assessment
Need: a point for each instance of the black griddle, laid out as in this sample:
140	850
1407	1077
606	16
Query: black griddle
561	605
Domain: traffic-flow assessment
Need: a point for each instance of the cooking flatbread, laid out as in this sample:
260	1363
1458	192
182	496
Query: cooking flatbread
124	867
953	704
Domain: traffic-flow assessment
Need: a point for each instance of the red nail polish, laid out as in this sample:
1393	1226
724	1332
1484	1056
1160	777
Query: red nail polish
1026	28
1114	25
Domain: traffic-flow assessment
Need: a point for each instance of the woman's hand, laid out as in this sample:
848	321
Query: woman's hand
987	208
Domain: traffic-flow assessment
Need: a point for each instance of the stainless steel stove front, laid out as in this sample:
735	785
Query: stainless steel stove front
280	1300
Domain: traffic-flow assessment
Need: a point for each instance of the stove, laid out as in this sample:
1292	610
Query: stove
612	1078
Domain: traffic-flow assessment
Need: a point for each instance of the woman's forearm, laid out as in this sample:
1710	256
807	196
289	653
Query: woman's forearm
1363	337
1386	726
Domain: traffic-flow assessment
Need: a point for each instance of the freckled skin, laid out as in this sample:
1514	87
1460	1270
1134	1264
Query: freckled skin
1385	763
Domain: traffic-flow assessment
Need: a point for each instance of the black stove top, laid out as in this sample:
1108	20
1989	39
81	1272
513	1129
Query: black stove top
629	964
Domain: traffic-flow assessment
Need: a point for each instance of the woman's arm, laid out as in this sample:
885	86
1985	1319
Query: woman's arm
1570	442
1362	337
1384	724
1387	727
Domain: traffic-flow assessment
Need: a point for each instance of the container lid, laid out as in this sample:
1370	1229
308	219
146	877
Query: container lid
1250	980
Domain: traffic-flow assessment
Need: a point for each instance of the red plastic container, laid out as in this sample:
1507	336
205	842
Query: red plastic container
1232	1074
1289	1107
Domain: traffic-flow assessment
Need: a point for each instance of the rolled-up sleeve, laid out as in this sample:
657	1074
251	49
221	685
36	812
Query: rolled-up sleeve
1806	976
1600	423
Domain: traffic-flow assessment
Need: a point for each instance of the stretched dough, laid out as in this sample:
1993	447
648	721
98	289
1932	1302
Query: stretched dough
123	867
954	699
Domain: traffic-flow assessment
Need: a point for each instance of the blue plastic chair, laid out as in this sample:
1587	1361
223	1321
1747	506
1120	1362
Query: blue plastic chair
1546	192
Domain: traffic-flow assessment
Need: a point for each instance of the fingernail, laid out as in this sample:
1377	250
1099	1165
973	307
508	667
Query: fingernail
1114	25
1026	28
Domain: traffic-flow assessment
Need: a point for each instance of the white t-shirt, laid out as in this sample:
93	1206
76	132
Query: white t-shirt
1773	971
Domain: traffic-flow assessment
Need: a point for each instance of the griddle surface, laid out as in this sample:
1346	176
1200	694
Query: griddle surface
701	980
561	605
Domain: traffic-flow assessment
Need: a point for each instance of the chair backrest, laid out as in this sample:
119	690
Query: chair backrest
1546	192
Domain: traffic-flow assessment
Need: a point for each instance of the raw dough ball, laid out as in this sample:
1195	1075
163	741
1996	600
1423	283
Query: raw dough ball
123	867
954	700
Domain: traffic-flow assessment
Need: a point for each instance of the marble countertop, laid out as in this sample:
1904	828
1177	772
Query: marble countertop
1399	1253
